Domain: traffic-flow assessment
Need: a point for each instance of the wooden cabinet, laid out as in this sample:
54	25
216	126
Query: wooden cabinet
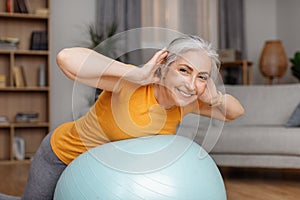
246	67
34	96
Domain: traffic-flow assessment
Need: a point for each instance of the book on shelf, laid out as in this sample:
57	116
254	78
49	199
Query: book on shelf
20	6
27	117
15	6
42	11
39	40
3	120
8	46
9	43
9	6
28	6
2	80
19	77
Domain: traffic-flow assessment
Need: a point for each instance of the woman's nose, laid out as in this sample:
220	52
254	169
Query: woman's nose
191	83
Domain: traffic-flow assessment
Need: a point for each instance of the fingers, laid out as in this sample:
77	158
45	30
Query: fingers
159	56
155	62
162	55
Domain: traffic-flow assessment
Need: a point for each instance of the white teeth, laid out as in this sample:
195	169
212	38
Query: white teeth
185	94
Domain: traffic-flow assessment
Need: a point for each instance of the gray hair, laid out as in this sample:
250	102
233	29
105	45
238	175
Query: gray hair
188	43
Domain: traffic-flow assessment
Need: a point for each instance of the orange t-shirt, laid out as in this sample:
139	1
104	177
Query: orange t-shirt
131	112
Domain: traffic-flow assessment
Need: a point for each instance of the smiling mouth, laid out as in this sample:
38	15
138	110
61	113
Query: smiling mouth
185	94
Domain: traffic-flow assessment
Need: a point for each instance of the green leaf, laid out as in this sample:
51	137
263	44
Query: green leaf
296	59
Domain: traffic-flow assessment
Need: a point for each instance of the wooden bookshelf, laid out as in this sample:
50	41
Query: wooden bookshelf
32	97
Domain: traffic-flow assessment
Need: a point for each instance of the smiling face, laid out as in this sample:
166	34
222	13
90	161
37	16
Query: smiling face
185	79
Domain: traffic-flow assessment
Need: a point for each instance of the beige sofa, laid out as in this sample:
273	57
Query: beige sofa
260	137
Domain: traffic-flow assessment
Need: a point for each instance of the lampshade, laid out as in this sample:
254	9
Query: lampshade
273	61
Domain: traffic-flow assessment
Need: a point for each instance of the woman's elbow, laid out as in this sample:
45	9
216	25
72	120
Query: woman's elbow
234	115
61	58
63	62
240	112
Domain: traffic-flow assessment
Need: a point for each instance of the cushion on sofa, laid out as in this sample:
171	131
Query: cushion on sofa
263	140
294	120
265	105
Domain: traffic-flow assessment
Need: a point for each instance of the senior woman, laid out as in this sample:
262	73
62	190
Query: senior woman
135	102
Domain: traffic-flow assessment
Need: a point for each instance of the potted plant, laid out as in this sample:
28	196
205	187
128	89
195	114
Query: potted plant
108	46
296	64
98	35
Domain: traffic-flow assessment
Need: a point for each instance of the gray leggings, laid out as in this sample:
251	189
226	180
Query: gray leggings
44	173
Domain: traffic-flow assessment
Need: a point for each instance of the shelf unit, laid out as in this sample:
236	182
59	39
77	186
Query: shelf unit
31	97
246	69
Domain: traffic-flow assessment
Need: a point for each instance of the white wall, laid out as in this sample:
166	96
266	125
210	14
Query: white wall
69	19
288	28
271	19
260	25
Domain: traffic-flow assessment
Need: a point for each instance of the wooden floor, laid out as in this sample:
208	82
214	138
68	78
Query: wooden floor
261	184
13	178
241	184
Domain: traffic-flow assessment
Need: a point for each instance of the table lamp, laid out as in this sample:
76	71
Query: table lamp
273	61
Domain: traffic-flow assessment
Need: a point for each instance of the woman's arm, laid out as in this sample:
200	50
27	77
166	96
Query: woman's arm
217	105
228	108
91	68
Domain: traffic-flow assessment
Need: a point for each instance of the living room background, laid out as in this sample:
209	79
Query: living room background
264	20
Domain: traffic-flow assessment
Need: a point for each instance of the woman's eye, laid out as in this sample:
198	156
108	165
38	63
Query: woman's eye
183	70
202	77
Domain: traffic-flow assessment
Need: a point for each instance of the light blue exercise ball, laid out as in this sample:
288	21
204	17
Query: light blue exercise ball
161	167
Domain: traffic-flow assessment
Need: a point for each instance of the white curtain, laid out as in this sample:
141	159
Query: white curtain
196	17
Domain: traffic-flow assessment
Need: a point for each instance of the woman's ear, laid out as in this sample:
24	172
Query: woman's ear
158	72
161	71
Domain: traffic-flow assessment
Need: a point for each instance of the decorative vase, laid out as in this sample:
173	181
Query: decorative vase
42	76
273	60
